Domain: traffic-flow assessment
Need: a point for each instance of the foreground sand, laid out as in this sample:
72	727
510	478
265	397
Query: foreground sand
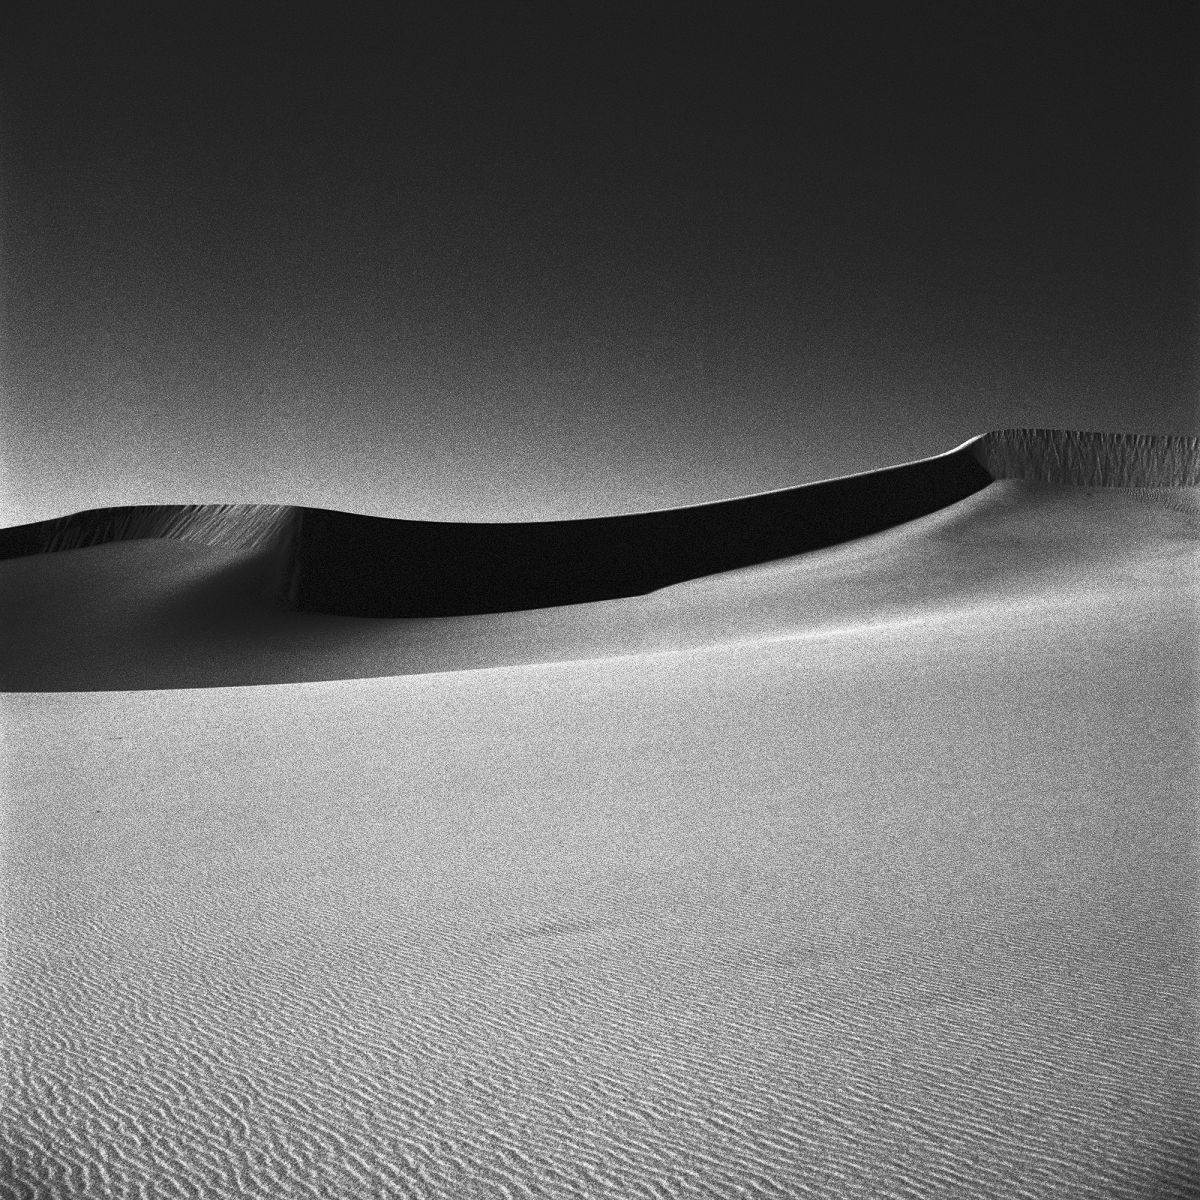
871	873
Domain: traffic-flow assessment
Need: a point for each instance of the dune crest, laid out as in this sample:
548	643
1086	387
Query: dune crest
349	564
238	526
1131	460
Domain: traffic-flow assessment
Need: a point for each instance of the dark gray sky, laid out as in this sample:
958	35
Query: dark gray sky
565	259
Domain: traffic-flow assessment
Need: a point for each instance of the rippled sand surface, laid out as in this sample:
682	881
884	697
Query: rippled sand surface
905	906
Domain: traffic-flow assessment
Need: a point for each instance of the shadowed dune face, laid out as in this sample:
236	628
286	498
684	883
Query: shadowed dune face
241	594
353	565
244	526
161	614
371	567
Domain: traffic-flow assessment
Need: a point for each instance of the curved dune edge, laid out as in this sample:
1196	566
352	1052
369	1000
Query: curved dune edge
349	564
166	614
238	526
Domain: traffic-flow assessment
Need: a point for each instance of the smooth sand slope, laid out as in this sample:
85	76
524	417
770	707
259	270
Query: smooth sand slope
867	873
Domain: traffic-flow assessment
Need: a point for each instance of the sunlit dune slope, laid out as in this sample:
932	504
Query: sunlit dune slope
893	892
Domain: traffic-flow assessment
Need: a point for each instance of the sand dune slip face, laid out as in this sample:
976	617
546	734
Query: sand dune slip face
871	873
165	613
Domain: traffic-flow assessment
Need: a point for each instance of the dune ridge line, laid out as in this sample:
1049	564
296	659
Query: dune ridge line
1138	460
359	565
238	526
1075	457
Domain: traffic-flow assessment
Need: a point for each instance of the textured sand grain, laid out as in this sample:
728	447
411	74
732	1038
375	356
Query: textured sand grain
896	904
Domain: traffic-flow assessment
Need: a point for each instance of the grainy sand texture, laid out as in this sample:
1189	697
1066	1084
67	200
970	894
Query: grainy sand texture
870	872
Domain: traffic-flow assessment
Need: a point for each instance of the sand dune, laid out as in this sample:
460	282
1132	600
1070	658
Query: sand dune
198	598
160	613
869	871
1091	459
244	526
351	564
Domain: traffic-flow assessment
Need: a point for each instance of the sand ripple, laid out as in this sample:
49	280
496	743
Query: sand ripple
891	915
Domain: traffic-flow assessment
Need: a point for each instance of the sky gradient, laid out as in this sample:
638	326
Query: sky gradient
532	262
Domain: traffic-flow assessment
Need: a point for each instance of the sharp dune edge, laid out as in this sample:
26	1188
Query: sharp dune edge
869	871
1046	455
353	565
202	596
239	526
1138	460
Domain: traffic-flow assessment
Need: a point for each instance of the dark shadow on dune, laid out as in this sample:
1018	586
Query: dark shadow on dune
354	565
374	567
348	564
115	599
245	526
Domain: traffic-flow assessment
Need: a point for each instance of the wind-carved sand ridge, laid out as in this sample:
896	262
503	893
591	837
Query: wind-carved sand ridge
1131	460
238	526
867	871
354	565
225	594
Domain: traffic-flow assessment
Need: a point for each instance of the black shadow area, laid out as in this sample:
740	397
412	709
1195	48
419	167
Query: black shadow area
180	596
361	566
